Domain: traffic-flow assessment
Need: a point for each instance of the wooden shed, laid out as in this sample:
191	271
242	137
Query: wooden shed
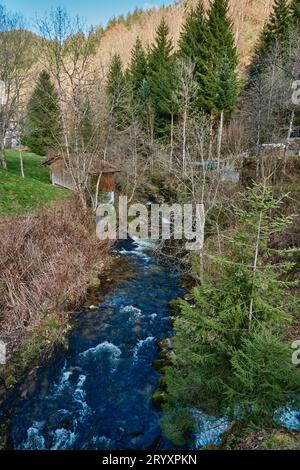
61	176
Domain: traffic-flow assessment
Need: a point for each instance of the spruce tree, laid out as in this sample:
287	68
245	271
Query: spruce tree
242	308
43	120
275	33
219	91
138	71
162	79
221	56
117	91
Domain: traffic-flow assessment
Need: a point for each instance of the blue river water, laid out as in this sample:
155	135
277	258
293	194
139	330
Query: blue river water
97	394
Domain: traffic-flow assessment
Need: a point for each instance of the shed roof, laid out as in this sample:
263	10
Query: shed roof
96	164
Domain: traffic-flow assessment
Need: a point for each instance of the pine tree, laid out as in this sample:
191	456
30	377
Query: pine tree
219	354
194	47
221	56
275	33
192	42
117	91
43	121
138	71
162	79
219	87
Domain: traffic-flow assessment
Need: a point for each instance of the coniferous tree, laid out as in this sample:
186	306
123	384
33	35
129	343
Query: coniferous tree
138	71
219	87
117	91
222	364
139	87
162	80
193	43
275	34
43	121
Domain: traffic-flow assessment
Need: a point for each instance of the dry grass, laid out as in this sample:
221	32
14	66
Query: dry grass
45	260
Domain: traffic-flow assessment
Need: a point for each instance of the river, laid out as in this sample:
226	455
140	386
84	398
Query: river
97	394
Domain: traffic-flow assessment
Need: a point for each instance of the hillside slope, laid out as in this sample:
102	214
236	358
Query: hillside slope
248	16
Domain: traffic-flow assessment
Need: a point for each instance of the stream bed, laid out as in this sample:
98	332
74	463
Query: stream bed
97	394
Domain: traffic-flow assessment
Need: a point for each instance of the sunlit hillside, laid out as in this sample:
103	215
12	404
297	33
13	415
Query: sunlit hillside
248	17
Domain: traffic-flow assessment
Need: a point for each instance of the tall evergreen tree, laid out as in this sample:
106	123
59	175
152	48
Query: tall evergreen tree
275	33
193	44
43	121
138	70
117	91
219	87
230	357
221	55
162	79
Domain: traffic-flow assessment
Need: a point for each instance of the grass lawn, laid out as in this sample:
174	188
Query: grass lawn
19	195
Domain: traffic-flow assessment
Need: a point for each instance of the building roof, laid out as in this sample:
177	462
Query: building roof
97	165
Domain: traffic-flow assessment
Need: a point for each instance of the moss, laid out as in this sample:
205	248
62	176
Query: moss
211	447
162	383
160	365
10	381
41	340
158	399
4	435
174	306
282	441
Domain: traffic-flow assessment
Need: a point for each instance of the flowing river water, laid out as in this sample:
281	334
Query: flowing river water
97	394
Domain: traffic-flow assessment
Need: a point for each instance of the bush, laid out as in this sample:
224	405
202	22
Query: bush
45	261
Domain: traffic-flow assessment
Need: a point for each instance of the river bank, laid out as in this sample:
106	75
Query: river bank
49	261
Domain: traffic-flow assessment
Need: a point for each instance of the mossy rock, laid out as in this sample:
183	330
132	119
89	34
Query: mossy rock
160	365
165	355
162	383
174	306
10	381
4	435
282	441
158	399
211	447
165	344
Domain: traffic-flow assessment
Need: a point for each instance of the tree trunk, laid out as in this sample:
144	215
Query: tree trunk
290	131
2	158
210	138
258	143
171	142
259	228
220	136
97	192
184	142
21	164
2	161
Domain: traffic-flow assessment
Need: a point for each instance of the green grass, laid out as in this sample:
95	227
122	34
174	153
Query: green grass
20	195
